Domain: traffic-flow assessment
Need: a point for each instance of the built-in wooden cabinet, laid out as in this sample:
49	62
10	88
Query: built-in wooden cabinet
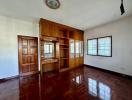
61	36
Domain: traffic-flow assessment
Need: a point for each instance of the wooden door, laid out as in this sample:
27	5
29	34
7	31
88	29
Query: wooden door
28	55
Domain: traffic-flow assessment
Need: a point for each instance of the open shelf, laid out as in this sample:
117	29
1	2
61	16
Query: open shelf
64	41
64	48
49	61
63	69
64	63
64	38
64	45
64	53
64	58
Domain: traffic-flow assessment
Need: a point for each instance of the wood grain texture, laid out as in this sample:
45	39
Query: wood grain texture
82	83
28	55
63	34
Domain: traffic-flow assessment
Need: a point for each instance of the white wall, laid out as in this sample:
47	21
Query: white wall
9	29
121	60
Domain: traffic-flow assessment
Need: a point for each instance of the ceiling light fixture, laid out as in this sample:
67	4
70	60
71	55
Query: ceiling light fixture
53	4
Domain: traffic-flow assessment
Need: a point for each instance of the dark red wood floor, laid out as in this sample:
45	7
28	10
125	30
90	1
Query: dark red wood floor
78	84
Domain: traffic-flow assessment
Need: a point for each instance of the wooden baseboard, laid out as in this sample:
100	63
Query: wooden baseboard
111	72
8	78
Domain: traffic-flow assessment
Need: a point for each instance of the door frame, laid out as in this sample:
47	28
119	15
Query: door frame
20	36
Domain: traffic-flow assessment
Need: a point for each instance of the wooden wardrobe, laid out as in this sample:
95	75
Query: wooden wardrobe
68	46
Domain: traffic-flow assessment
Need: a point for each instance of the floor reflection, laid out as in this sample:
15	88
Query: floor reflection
78	84
77	79
104	92
99	89
92	87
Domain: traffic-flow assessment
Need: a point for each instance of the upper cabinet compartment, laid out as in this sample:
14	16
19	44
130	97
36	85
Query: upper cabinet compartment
76	34
64	34
48	28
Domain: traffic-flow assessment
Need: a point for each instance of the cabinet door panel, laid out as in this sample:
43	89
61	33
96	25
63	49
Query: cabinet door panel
72	53
76	53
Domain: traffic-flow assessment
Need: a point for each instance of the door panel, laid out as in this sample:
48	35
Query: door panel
28	55
76	53
72	53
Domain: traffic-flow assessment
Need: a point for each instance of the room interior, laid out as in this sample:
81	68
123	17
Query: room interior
65	50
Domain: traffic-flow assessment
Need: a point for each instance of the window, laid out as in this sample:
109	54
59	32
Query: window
100	46
104	46
92	47
48	50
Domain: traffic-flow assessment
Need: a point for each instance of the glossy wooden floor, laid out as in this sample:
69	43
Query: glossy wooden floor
79	84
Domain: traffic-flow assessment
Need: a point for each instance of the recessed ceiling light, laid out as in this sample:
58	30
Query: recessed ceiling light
53	4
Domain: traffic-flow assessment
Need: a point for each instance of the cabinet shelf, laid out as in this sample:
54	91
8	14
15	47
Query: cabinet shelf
64	48
63	58
48	61
64	38
64	69
64	44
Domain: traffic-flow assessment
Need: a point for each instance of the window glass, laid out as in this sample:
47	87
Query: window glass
92	47
51	48
100	46
104	46
48	50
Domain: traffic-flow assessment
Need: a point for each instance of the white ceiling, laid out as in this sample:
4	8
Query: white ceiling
81	14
